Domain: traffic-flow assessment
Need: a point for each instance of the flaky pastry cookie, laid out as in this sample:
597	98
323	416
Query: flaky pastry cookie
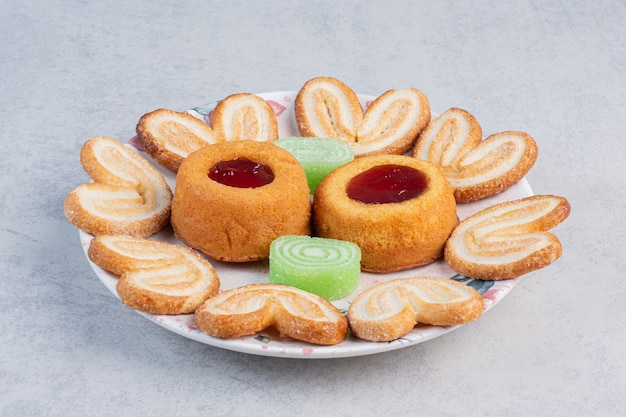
155	277
509	239
127	195
476	168
252	308
169	136
326	107
390	310
244	116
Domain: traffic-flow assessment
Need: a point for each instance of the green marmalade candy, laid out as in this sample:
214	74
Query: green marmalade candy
318	156
329	268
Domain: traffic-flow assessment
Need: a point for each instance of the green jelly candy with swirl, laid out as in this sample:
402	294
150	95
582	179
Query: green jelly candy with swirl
318	156
329	268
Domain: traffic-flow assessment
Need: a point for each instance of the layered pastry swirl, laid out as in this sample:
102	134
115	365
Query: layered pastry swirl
476	168
169	136
508	239
391	309
244	116
326	107
155	277
293	312
127	194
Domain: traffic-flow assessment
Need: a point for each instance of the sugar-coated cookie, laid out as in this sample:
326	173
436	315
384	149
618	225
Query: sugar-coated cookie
127	195
326	107
155	277
476	168
390	310
169	136
252	308
509	239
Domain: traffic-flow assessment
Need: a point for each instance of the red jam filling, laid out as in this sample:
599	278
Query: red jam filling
241	173
387	184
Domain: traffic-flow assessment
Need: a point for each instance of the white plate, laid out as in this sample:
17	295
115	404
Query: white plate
234	275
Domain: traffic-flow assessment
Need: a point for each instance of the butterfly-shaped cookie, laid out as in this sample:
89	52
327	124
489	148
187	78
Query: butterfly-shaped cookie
293	312
155	277
391	309
169	136
508	239
476	168
326	107
127	195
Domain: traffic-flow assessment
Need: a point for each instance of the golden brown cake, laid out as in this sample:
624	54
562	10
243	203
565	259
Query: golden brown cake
398	209
237	222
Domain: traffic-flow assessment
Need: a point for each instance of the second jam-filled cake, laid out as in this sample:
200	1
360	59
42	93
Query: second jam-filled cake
397	209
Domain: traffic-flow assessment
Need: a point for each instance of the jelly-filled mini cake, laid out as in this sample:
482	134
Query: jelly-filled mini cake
329	268
233	199
399	210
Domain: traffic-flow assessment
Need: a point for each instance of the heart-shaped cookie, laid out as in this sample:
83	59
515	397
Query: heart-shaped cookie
391	309
293	312
155	277
127	196
476	168
169	136
508	239
326	107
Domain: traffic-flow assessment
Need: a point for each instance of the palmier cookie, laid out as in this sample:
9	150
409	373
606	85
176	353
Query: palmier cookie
155	277
252	308
169	136
476	168
390	310
326	107
244	116
509	239
127	195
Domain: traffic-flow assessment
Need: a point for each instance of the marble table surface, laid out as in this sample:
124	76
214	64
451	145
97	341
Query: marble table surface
555	346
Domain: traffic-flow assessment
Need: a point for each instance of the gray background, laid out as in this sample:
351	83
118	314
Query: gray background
74	69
